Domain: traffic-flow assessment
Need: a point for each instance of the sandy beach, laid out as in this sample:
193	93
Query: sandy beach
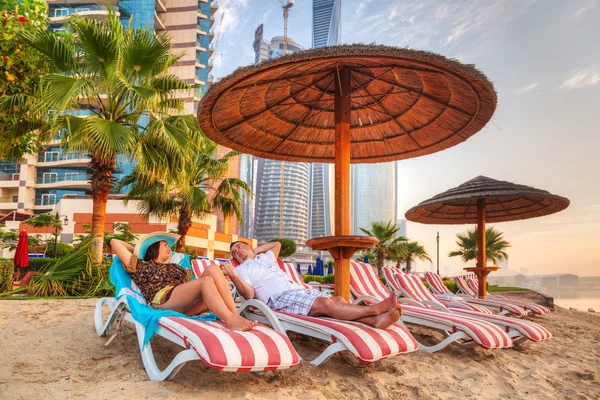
50	350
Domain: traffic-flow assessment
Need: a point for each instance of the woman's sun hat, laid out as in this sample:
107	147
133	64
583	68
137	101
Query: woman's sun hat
141	247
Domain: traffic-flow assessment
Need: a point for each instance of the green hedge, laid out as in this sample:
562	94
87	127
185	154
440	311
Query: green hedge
7	268
35	264
63	249
325	279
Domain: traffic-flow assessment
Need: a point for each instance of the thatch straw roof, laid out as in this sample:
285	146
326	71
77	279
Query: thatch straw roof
405	103
504	201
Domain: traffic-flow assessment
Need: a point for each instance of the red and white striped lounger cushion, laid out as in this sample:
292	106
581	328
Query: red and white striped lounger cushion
533	307
366	343
436	283
413	286
260	349
364	282
199	266
531	330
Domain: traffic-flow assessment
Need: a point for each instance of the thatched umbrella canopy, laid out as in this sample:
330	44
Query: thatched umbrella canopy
482	200
343	104
404	103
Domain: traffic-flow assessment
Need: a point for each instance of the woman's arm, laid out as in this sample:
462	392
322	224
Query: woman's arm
122	250
275	247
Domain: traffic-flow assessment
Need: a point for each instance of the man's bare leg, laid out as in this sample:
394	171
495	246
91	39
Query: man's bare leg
381	321
351	312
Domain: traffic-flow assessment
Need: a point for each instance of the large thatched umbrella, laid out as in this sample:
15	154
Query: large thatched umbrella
482	200
348	104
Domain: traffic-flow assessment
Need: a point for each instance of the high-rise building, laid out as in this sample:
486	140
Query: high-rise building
38	183
326	31
374	192
280	205
326	27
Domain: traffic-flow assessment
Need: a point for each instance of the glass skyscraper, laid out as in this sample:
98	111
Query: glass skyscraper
326	27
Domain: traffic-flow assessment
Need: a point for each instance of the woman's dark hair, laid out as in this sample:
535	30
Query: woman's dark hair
152	252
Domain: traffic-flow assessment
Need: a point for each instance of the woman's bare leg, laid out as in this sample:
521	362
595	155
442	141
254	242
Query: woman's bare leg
215	272
184	297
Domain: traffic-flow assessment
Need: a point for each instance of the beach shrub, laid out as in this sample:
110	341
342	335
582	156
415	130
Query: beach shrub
288	247
35	264
450	284
7	268
62	249
327	279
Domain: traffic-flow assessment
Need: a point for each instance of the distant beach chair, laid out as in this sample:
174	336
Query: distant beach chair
412	287
461	330
532	308
436	285
260	349
365	343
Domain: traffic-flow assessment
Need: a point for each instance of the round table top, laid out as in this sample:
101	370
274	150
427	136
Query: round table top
477	269
327	242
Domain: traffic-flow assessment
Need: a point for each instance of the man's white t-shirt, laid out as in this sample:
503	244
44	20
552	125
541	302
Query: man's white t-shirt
265	276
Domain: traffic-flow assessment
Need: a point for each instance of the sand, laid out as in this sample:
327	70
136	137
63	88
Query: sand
49	350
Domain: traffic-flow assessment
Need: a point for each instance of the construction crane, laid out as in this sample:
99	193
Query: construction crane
219	29
286	13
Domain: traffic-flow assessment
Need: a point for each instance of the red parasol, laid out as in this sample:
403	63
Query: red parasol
22	253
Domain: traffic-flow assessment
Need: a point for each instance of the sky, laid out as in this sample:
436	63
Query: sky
544	59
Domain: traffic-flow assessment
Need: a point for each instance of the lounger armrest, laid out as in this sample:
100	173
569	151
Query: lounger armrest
323	287
410	302
365	300
268	313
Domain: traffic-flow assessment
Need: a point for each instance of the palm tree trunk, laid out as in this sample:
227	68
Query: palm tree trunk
226	224
398	264
408	264
380	263
184	225
102	181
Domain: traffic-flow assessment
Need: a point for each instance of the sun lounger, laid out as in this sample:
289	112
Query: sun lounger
260	349
436	285
412	287
24	280
365	343
460	329
532	308
448	301
198	267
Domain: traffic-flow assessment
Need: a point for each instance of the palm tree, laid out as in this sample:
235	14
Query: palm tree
120	77
467	245
228	200
414	250
385	234
187	194
397	253
46	221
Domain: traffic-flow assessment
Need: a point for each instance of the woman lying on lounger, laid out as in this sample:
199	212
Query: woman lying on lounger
167	285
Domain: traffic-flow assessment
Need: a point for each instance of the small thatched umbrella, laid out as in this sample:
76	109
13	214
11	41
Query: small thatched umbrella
343	104
482	200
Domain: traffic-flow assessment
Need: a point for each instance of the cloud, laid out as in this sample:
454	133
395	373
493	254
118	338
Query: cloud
528	88
233	10
579	12
580	78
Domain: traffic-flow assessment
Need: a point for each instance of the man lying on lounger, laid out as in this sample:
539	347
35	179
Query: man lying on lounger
258	276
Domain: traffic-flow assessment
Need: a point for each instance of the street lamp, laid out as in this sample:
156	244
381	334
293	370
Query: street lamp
66	219
438	253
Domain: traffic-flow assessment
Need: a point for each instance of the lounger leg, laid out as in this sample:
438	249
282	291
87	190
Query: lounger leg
329	351
154	373
446	342
102	327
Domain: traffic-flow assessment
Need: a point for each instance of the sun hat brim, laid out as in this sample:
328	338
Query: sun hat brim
142	246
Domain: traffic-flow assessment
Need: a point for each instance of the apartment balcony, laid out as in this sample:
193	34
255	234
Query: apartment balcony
201	15
214	6
199	46
159	23
212	20
159	6
61	15
210	65
9	203
66	180
211	78
9	180
211	49
60	159
47	201
211	34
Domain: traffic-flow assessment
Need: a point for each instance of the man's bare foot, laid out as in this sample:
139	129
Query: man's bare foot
387	319
241	324
399	308
387	304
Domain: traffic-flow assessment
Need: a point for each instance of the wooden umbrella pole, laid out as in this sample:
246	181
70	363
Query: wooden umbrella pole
342	108
481	246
